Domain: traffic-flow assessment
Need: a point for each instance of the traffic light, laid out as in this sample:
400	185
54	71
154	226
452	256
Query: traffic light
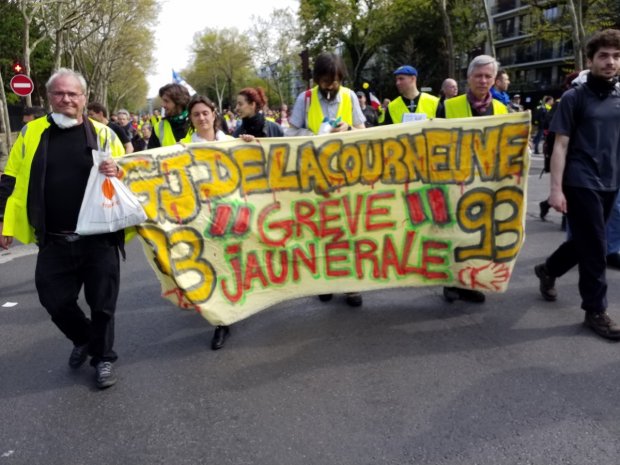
17	67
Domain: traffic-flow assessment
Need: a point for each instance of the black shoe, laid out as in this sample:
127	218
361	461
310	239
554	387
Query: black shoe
219	337
603	325
78	356
547	283
455	293
613	260
544	209
104	375
325	297
354	299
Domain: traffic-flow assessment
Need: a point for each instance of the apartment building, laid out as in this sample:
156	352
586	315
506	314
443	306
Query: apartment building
536	66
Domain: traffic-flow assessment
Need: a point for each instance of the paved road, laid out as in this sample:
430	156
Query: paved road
406	379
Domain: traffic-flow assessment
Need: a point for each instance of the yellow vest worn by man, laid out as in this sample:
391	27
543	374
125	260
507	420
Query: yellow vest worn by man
15	222
458	107
164	133
427	105
314	112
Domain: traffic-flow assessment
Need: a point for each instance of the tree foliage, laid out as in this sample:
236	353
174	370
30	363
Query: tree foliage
221	64
275	52
571	20
377	36
111	51
358	26
104	40
11	46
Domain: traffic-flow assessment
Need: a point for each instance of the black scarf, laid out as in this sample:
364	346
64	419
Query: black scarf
254	125
600	86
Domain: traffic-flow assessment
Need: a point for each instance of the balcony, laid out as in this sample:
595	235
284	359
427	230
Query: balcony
504	5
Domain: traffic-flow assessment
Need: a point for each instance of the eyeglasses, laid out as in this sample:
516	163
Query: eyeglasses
70	95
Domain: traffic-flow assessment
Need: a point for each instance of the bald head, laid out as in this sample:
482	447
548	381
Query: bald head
449	88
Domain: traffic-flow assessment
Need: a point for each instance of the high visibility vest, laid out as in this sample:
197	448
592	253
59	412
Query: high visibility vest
458	107
427	105
315	117
19	164
381	113
164	133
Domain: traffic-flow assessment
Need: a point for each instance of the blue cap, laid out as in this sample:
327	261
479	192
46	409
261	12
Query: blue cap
406	70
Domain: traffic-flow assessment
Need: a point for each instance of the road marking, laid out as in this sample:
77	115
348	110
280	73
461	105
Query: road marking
17	251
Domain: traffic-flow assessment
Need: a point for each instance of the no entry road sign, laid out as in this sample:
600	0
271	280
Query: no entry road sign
22	85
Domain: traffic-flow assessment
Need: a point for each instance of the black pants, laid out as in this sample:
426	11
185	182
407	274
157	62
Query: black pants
62	268
588	211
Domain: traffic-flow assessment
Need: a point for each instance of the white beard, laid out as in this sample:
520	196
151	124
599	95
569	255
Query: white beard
63	121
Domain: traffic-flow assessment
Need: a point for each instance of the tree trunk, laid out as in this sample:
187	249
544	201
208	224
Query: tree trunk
220	94
28	47
26	57
489	22
4	120
57	50
447	28
577	41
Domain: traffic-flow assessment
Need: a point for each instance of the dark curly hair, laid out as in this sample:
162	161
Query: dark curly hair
605	38
177	93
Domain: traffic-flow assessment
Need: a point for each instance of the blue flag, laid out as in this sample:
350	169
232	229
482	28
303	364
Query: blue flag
178	79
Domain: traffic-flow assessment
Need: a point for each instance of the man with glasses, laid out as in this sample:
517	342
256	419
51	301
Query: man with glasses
41	194
331	101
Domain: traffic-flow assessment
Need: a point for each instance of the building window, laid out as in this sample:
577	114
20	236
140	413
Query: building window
505	28
551	14
505	55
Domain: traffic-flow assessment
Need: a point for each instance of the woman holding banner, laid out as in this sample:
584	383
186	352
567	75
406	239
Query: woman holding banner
250	103
204	121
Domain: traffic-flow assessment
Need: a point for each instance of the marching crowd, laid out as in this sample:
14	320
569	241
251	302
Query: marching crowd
46	174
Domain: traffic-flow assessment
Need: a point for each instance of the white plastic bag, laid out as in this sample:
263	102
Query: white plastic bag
108	204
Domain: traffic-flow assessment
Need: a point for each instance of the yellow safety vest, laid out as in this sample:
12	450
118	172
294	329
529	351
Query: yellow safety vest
164	133
381	113
458	107
315	117
18	166
427	105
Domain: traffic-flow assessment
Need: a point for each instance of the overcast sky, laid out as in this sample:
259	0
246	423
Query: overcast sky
179	20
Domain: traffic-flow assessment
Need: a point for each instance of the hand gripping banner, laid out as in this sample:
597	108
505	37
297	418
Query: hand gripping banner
236	227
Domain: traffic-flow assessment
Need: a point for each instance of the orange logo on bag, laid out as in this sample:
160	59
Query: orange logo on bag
108	189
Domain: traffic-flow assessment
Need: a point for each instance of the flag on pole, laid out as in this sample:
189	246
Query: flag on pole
178	79
374	101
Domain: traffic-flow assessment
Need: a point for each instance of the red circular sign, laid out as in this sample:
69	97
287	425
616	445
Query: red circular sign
22	85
